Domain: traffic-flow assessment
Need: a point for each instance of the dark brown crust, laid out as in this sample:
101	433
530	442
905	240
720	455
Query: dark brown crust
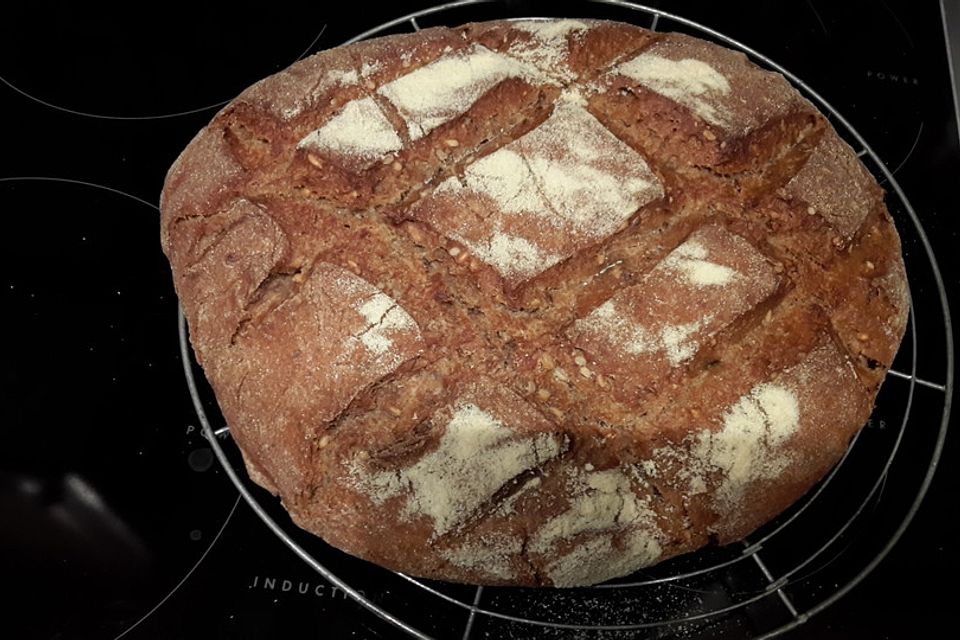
257	232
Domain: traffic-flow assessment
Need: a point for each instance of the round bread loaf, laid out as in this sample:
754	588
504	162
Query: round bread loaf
534	302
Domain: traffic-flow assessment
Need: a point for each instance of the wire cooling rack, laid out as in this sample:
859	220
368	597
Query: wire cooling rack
786	572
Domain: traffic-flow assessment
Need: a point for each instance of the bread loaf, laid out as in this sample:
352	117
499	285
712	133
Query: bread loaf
533	302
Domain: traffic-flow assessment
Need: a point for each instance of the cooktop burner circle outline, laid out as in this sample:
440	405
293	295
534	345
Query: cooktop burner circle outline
162	116
221	526
186	576
775	585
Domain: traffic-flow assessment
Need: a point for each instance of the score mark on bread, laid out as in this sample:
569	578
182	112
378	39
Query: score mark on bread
699	288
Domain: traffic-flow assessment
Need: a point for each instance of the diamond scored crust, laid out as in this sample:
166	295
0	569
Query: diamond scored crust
563	186
532	203
572	175
551	174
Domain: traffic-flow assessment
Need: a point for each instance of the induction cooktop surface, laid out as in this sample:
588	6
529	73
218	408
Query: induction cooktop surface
126	509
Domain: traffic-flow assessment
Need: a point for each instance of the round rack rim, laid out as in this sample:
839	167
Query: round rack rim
799	618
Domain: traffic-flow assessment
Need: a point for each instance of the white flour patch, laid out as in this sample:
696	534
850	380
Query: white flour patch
450	186
378	323
512	256
604	504
603	501
370	68
505	177
577	180
548	50
348	77
692	83
384	316
476	456
598	559
550	31
678	343
573	96
749	447
690	260
332	78
490	557
446	88
360	130
571	155
339	77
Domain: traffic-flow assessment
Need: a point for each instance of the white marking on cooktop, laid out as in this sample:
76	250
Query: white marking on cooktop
186	577
913	148
83	183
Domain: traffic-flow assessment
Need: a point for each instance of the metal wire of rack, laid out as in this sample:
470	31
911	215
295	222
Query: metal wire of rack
714	592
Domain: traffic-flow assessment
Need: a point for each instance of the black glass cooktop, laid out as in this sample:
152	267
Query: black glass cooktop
117	519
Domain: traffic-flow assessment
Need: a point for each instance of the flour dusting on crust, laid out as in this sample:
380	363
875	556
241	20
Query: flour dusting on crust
379	322
749	447
690	259
677	342
600	559
491	557
360	130
693	83
384	316
549	47
446	88
563	186
512	256
661	323
476	456
615	529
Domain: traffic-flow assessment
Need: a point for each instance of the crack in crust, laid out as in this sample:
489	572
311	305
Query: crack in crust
839	277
